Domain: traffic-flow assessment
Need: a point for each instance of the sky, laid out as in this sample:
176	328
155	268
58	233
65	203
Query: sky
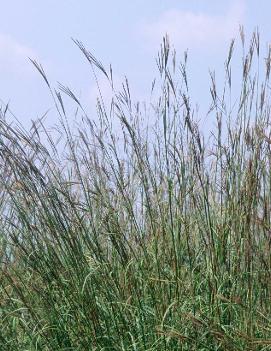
126	34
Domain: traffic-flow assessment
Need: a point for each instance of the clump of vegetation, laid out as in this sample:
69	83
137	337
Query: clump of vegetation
140	237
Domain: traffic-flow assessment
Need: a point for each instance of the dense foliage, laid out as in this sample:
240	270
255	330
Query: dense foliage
132	236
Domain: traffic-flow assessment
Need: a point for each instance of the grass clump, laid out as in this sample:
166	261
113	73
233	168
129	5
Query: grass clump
140	237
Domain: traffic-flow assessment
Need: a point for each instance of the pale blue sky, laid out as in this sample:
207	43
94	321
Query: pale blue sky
124	33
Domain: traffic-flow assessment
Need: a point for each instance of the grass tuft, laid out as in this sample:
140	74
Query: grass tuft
140	237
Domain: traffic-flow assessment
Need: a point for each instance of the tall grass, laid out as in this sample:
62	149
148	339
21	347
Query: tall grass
140	237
